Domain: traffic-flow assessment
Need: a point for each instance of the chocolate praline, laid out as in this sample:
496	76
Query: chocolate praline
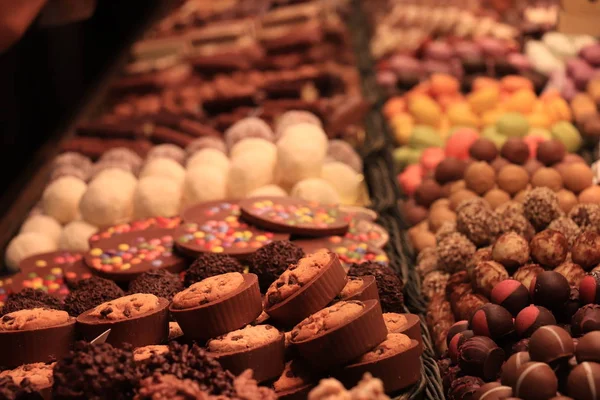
457	327
531	318
464	388
493	391
454	251
427	192
588	348
90	293
567	227
389	285
571	271
511	250
551	152
526	273
540	207
584	381
493	321
586	250
483	150
586	216
549	248
211	264
550	344
535	381
589	288
550	289
586	319
160	283
511	295
450	169
515	150
480	356
511	366
30	298
477	221
486	275
457	341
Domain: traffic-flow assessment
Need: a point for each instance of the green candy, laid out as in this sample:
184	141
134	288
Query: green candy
424	136
492	134
404	156
512	125
566	133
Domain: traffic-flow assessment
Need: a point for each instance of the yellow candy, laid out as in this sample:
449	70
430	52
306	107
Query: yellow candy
539	120
491	117
484	99
425	110
402	125
443	84
444	128
460	114
394	106
558	110
521	101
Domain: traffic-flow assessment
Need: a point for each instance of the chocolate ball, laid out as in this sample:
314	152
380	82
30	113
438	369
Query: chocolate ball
511	295
480	177
483	150
412	212
481	357
588	348
551	343
549	248
549	289
486	275
565	313
586	319
511	250
532	165
428	192
457	327
586	250
511	366
493	321
540	207
577	177
589	288
584	381
547	177
551	152
566	200
438	216
573	272
496	197
526	273
464	388
590	195
586	216
567	227
512	178
531	318
477	221
493	391
456	342
454	251
515	150
499	163
449	170
535	381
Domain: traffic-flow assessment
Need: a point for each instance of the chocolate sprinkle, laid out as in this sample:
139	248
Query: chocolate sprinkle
30	298
389	285
208	265
272	260
91	293
9	390
160	283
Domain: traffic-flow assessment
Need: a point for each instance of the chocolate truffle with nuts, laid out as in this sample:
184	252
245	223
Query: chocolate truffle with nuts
586	250
567	227
486	275
30	298
160	283
454	251
389	285
511	250
586	216
540	207
477	221
549	248
90	293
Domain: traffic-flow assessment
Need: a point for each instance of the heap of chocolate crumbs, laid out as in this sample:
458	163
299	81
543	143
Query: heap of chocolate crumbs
272	260
91	293
160	283
30	298
208	265
9	390
389	285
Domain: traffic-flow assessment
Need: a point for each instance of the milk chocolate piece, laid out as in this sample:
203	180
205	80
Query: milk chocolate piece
151	327
368	290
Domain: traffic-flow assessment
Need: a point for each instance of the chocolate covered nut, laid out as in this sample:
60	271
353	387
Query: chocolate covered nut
532	318
511	295
550	344
511	250
550	289
481	357
493	321
549	248
584	381
586	319
511	366
586	250
535	381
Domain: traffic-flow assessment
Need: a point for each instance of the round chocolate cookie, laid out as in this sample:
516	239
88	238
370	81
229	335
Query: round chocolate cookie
90	293
294	216
160	283
215	227
272	260
123	256
211	264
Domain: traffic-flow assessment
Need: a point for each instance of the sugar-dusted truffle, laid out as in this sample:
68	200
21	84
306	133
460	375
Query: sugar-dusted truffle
477	221
454	251
540	207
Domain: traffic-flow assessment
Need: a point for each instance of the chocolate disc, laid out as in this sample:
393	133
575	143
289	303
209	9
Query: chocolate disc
294	216
357	212
135	226
349	251
123	256
215	227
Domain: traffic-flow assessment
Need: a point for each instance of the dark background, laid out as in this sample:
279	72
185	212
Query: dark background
47	77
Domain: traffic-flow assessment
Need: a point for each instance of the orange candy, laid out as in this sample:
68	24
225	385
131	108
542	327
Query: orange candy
443	84
394	106
512	83
482	82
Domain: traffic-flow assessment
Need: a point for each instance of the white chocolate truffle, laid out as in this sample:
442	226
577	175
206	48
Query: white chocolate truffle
294	117
164	167
75	235
123	154
268	190
300	153
316	189
107	202
27	244
253	145
560	45
339	150
43	224
204	183
73	159
61	198
344	179
101	166
210	157
167	150
156	196
247	128
207	142
248	172
114	174
541	58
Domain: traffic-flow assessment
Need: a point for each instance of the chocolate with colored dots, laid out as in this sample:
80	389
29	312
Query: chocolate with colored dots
493	321
512	295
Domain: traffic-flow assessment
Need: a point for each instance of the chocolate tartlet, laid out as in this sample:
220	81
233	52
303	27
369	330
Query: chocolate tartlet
217	305
272	260
37	376
160	283
211	264
260	348
137	319
295	381
305	288
90	293
30	298
360	288
408	324
9	390
339	333
35	335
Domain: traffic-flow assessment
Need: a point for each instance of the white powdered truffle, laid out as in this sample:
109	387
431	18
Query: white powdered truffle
300	153
125	155
75	236
250	171
247	128
25	245
253	145
339	150
210	157
155	196
344	179
43	224
268	190
61	198
125	178
206	142
107	202
316	189
165	168
204	183
167	150
294	117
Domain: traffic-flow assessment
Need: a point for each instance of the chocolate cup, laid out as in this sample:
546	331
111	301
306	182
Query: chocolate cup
346	342
312	297
368	291
299	393
397	371
266	361
223	315
36	345
412	329
149	328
